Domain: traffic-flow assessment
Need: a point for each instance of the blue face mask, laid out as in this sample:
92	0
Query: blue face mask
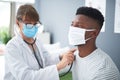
30	30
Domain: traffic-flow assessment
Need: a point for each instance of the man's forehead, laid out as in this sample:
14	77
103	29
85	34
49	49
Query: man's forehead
85	21
80	19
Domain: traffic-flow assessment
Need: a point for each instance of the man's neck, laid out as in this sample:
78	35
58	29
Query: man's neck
85	50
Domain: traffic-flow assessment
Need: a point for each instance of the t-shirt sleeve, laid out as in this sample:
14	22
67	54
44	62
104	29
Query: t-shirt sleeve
107	74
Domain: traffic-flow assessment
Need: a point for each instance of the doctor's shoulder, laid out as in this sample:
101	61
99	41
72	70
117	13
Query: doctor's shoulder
13	43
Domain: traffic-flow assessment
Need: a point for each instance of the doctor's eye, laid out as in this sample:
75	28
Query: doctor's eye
38	25
29	25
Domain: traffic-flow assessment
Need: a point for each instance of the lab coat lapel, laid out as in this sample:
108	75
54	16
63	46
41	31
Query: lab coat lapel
41	53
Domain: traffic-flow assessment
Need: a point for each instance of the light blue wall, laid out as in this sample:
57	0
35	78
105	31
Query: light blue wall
57	15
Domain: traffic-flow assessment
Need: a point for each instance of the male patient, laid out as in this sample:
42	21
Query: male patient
91	62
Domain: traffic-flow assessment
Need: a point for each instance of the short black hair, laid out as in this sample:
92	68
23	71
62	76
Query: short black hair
92	13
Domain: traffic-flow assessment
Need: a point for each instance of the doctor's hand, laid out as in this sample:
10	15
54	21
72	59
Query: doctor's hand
66	59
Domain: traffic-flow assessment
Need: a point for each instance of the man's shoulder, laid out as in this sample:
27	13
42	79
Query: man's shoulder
102	54
106	61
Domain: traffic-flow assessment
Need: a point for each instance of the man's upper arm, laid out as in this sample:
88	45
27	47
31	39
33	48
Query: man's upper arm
107	74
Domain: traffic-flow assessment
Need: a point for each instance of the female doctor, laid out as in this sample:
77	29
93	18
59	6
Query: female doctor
25	57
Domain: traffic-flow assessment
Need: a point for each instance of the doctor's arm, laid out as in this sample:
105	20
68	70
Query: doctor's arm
60	59
22	71
66	59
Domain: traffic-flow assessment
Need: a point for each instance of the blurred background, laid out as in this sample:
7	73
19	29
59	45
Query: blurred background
56	17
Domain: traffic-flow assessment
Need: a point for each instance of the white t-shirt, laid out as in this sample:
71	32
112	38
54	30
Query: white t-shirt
96	66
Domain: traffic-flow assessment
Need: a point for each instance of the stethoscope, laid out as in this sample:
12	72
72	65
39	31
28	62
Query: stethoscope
34	51
39	62
68	69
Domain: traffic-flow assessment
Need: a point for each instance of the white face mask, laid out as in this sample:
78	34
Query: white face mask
76	35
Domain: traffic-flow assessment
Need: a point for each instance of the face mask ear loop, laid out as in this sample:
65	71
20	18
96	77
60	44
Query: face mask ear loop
88	39
90	29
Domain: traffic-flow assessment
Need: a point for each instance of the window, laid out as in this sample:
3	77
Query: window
4	14
100	5
20	1
117	17
4	21
8	10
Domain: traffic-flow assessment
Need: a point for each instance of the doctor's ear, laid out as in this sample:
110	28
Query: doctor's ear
17	22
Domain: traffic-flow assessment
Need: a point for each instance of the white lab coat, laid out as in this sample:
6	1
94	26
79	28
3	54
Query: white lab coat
20	63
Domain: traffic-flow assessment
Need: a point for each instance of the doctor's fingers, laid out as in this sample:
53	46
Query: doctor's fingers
70	58
72	50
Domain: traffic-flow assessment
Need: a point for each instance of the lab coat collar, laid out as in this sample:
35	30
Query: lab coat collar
38	43
21	41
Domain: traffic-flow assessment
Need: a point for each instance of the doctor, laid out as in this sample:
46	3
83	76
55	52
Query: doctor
26	59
